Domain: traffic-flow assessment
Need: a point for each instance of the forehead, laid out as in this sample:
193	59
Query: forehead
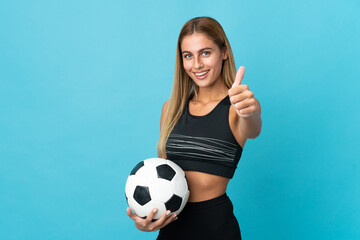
196	41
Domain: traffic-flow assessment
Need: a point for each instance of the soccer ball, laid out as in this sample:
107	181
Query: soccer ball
156	183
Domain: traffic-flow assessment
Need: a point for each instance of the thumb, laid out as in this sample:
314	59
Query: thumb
239	76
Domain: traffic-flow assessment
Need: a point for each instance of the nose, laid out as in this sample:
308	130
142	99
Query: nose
198	64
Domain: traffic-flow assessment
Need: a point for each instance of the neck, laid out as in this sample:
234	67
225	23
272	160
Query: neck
214	92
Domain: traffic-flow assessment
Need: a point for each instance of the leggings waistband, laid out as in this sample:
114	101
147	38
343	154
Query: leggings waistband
209	203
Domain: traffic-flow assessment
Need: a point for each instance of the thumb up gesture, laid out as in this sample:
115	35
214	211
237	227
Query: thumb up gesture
241	97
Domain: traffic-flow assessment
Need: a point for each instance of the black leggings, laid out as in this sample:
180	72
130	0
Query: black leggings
210	219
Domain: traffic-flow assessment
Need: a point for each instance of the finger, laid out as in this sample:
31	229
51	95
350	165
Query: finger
239	76
161	220
238	89
238	97
248	111
170	219
245	115
151	215
132	215
244	104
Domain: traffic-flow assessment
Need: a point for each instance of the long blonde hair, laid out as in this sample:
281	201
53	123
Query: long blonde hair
183	85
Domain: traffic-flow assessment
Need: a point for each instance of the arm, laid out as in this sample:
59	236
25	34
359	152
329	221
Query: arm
163	114
247	107
147	225
250	127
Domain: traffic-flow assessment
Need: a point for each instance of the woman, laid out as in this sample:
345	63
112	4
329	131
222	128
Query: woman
204	127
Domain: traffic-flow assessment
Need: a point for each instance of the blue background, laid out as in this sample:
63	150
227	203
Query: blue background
82	87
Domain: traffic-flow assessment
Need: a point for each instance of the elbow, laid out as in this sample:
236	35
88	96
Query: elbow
254	134
252	127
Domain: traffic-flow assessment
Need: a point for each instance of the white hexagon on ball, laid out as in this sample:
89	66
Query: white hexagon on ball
161	190
148	175
180	189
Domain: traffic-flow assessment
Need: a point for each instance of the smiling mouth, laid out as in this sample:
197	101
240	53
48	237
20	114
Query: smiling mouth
202	73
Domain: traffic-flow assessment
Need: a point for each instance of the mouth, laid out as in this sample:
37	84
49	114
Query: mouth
202	75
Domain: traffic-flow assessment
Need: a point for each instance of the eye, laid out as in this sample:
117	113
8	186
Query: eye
206	53
187	55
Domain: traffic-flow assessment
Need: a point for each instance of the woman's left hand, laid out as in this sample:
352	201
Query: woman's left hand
241	97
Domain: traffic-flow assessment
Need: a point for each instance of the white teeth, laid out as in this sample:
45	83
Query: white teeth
201	74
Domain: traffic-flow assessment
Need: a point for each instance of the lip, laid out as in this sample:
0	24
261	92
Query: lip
203	76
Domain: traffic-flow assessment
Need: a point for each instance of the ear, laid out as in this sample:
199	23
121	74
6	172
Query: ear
224	54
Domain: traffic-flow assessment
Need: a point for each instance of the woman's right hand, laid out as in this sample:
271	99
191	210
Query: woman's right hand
147	225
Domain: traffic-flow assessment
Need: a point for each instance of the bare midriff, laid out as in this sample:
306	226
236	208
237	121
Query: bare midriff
204	186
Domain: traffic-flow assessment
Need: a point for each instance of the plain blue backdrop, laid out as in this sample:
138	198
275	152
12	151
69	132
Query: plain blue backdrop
82	84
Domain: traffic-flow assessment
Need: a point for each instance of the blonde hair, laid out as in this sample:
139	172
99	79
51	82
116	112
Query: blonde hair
183	85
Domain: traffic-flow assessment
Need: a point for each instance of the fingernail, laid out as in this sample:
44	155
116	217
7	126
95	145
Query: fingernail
155	210
168	212
174	215
176	218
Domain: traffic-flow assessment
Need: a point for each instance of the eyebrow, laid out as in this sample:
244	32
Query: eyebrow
199	50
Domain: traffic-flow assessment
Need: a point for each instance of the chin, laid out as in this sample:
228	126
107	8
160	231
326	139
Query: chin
203	83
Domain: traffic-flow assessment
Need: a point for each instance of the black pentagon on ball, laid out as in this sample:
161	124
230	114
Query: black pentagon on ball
165	171
137	167
152	220
142	195
174	203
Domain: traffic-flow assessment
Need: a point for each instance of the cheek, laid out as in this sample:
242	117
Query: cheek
216	65
212	61
187	66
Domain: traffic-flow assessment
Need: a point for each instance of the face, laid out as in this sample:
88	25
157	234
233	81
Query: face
202	59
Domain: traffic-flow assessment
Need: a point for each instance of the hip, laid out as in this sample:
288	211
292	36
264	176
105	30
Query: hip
210	219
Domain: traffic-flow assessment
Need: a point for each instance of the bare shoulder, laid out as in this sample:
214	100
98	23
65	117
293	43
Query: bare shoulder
165	106
163	112
234	122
